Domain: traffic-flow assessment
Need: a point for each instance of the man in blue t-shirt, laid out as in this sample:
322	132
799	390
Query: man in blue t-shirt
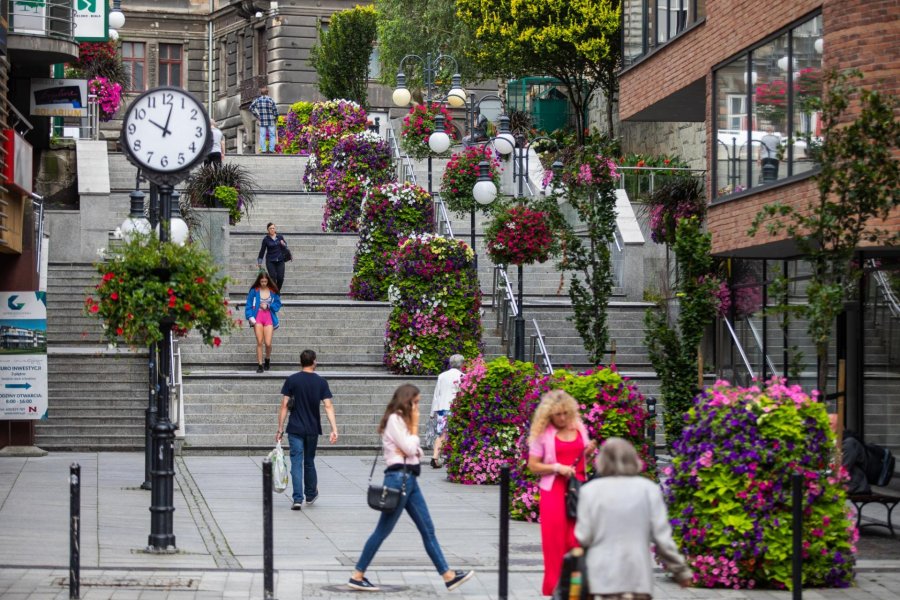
307	389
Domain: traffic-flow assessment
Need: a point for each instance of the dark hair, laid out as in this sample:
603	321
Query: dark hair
401	404
270	283
269	225
307	358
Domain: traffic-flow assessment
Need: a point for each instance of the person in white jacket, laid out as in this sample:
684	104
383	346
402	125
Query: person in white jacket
444	392
619	514
399	429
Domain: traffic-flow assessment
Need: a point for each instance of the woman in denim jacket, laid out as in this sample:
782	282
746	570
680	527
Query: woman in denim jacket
261	312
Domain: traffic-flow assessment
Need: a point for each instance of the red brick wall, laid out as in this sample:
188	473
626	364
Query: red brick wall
731	26
862	34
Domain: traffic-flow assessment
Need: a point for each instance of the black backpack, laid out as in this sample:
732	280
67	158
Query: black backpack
879	464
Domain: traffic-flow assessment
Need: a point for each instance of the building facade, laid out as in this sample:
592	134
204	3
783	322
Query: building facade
748	73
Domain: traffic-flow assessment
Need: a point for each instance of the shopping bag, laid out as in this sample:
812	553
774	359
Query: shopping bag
279	469
431	431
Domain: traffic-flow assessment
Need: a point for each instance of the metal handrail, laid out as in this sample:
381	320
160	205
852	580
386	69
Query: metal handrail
176	388
408	172
887	291
443	217
38	202
537	343
56	21
759	344
740	348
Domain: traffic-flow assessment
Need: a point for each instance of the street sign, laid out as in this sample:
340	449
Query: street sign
23	355
91	20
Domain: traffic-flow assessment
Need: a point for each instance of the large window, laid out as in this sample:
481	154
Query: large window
765	110
170	63
133	58
648	24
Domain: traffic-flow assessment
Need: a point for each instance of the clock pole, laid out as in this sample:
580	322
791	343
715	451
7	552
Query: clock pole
162	509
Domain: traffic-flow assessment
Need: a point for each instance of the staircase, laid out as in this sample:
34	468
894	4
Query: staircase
101	393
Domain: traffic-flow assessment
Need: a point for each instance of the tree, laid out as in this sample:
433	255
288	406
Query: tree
418	28
857	184
575	41
341	58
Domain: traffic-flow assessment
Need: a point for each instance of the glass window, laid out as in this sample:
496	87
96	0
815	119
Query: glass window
170	64
223	66
134	62
647	24
375	63
732	141
780	82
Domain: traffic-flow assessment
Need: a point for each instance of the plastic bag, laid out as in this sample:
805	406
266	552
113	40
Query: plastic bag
279	469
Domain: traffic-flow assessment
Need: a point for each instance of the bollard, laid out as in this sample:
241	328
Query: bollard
503	566
268	558
74	531
651	424
797	530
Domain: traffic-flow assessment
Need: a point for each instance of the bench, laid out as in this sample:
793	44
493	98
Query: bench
861	500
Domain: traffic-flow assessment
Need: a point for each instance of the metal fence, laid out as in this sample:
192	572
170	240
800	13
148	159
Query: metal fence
47	18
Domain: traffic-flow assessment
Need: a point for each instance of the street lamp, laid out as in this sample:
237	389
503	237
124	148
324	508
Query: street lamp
116	17
520	171
484	192
456	97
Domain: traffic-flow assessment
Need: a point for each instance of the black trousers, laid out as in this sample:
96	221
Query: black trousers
276	272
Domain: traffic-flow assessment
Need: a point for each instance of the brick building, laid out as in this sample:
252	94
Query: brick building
747	71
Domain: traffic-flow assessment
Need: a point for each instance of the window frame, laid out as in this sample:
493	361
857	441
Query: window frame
127	61
165	64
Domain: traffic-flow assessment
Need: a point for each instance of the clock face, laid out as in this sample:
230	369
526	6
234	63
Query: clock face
166	130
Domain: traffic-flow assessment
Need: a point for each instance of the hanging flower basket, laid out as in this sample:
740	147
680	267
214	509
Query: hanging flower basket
418	125
328	122
145	284
109	96
519	236
460	177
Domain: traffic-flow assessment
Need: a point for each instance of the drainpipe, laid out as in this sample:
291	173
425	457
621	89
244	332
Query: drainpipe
209	61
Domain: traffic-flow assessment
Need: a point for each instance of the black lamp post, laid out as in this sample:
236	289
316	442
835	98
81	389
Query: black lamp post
520	171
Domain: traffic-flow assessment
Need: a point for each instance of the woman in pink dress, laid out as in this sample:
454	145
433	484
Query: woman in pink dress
557	440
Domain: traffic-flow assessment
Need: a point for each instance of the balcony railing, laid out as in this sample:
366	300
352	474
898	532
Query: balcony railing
46	18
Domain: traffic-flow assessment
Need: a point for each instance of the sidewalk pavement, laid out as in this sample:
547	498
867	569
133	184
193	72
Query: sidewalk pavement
218	529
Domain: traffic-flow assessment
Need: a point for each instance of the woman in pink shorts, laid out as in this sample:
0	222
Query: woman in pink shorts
261	311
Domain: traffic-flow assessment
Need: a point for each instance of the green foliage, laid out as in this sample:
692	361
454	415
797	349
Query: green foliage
202	186
228	197
98	59
673	348
857	184
341	58
420	27
578	42
146	282
461	175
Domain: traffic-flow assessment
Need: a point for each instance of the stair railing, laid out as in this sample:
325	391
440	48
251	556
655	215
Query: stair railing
737	346
539	350
756	338
507	309
405	168
442	217
176	388
885	308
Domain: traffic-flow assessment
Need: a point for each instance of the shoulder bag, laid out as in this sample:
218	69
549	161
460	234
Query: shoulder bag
381	497
285	251
573	487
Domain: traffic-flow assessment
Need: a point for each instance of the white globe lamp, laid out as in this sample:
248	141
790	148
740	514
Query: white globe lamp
456	97
484	191
504	142
439	141
401	95
116	19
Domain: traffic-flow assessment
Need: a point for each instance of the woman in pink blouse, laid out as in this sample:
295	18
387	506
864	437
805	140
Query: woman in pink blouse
557	441
399	429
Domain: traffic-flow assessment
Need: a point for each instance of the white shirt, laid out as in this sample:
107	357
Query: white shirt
445	390
399	444
217	140
618	517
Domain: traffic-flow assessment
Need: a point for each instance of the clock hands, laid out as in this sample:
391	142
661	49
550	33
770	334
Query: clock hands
165	128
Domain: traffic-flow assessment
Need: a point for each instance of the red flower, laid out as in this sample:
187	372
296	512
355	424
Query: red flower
172	301
187	307
109	277
119	331
217	341
95	308
171	292
641	163
114	296
199	280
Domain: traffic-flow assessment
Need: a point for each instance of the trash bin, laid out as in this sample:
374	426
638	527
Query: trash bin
769	169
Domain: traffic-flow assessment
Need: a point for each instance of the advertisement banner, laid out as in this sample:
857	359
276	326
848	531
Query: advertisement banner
23	355
29	16
59	97
91	19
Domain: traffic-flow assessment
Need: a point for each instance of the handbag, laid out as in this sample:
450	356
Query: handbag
381	497
573	487
286	253
431	431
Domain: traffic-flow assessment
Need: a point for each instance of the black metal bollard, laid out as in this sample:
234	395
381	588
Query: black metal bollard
503	566
75	531
797	531
268	555
651	424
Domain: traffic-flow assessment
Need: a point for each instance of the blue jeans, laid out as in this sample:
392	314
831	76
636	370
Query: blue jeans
414	503
303	466
270	129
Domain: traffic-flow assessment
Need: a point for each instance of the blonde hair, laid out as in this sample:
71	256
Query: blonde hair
550	402
618	457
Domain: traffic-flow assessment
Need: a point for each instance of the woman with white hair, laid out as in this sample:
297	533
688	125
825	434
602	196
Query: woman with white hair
619	514
444	392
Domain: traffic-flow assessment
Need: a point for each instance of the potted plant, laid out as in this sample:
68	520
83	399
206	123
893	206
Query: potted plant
519	236
418	125
202	189
291	135
147	283
461	174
